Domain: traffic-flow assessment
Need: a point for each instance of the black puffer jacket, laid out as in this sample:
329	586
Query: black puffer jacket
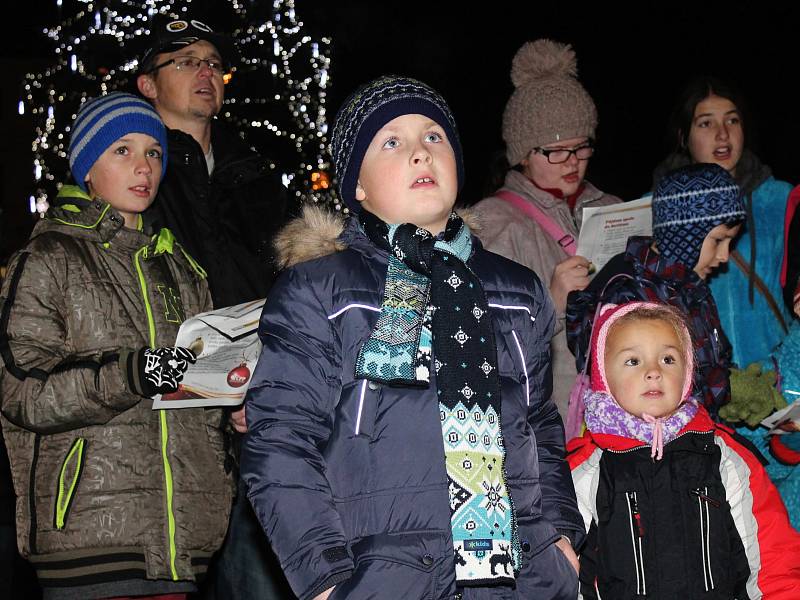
704	522
226	221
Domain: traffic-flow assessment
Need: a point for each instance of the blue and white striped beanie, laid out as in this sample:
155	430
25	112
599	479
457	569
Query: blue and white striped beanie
368	109
102	121
687	204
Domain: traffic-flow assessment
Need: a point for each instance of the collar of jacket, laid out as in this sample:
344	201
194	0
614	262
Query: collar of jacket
234	161
571	200
76	214
318	232
519	184
649	264
701	423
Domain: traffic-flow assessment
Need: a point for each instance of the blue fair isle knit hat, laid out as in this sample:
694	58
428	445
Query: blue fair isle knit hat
104	120
687	204
368	109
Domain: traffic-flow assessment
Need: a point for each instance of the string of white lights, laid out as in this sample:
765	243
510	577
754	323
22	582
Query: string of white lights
276	95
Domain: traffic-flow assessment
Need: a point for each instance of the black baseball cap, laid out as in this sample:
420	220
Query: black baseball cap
168	34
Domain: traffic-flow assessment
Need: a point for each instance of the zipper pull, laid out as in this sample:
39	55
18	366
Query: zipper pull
697	492
637	517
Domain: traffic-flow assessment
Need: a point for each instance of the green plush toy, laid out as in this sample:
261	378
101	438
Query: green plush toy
753	396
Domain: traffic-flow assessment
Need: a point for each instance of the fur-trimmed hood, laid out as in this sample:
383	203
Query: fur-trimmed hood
316	233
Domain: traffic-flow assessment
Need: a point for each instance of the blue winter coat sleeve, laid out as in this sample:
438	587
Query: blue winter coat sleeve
559	504
290	407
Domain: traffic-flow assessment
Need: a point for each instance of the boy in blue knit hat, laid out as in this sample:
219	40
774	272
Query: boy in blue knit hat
697	212
401	441
108	489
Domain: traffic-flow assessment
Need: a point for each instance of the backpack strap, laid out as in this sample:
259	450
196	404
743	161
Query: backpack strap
747	269
551	228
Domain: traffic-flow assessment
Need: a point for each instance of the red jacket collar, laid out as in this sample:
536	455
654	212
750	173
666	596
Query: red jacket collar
572	199
701	422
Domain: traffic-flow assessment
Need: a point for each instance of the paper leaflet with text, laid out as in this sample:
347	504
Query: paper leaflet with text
605	229
227	348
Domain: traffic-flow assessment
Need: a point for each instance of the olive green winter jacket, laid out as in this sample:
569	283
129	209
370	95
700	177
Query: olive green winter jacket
107	489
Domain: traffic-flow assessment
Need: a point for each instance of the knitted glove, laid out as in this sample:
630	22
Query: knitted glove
753	396
151	371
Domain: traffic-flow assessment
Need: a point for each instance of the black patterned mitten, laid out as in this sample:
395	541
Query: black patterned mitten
151	371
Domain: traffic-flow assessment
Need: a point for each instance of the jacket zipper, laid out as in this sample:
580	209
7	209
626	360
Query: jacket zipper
644	446
142	252
703	500
637	533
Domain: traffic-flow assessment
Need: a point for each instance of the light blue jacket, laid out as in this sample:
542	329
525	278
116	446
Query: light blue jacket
753	330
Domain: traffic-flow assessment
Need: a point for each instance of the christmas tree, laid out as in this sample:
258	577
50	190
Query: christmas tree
275	96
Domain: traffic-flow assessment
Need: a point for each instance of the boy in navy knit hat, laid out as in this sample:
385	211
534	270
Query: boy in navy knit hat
401	441
107	488
697	212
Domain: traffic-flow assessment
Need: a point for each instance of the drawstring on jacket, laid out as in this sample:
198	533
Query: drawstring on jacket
657	446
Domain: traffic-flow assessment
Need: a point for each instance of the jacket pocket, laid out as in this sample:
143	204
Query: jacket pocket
636	538
545	571
396	566
622	536
705	504
709	516
358	408
68	478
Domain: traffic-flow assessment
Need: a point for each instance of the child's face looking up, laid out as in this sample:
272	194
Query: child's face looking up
715	249
127	175
645	366
408	174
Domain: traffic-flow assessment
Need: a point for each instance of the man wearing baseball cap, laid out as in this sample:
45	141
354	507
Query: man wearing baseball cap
221	199
224	204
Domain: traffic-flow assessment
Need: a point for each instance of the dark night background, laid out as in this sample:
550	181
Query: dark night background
633	61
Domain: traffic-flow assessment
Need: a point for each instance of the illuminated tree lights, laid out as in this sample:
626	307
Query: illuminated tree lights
276	94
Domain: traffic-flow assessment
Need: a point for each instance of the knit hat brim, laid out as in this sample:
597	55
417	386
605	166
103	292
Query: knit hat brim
104	120
369	109
372	124
687	204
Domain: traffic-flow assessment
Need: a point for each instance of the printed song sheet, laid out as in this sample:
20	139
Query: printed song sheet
227	348
605	229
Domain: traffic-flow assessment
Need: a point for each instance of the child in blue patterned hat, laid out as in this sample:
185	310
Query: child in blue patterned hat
697	212
401	441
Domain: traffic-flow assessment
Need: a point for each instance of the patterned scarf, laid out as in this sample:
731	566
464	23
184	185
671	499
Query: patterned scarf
434	301
604	415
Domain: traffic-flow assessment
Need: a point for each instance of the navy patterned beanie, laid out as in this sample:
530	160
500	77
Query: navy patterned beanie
687	204
102	121
368	109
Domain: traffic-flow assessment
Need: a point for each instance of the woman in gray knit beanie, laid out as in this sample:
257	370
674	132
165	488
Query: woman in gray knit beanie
549	127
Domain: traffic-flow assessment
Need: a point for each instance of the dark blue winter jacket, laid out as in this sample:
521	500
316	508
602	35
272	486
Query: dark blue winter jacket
348	477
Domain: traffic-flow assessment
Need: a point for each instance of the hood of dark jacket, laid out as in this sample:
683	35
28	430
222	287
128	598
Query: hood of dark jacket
318	232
